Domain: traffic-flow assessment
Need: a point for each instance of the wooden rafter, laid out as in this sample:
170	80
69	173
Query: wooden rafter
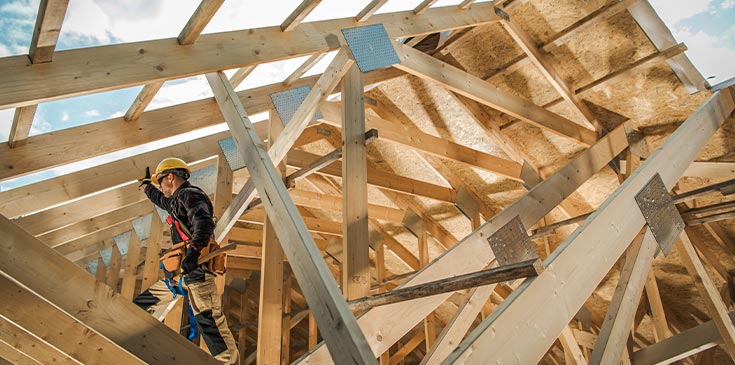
277	152
40	272
171	61
301	70
21	127
198	21
423	6
450	77
661	37
547	68
473	251
433	145
669	161
369	10
615	330
152	126
298	15
338	325
46	32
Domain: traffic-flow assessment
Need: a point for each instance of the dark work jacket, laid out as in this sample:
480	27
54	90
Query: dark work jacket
191	206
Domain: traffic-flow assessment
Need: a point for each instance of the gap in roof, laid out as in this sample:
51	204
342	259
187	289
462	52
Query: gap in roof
82	110
236	15
333	9
99	22
6	121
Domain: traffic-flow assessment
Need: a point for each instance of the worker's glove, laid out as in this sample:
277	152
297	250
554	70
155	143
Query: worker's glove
145	180
191	260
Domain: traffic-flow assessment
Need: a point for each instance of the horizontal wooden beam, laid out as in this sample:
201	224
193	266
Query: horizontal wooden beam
430	144
131	64
62	147
465	84
379	178
606	234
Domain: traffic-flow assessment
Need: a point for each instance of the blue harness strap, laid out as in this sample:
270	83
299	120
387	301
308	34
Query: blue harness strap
179	290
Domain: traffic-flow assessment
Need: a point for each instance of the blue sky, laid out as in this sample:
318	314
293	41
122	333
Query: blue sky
706	26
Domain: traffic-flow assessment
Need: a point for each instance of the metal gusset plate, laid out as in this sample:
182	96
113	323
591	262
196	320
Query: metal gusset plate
660	213
511	243
414	223
232	155
467	204
287	102
371	47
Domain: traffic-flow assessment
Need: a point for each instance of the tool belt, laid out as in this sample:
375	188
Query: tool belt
173	257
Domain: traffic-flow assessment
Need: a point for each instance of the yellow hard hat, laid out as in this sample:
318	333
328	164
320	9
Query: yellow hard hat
170	164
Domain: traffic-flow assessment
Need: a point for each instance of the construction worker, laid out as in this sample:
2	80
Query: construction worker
192	225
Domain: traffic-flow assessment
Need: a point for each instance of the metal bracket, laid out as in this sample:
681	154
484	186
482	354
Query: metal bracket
660	213
414	223
287	102
511	243
371	47
232	155
466	204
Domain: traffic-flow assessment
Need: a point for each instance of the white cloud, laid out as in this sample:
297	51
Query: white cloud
708	55
181	91
674	11
727	4
24	8
4	50
116	114
65	116
128	21
92	113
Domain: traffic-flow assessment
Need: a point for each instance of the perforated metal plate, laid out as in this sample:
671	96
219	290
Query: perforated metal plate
287	102
414	223
232	155
511	244
371	47
466	204
660	213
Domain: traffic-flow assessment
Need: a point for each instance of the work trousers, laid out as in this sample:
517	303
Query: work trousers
207	306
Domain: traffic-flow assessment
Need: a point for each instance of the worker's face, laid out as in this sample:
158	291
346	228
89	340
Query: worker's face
166	184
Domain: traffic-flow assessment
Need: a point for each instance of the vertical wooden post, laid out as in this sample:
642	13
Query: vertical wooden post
356	262
130	275
152	269
429	321
114	273
101	274
271	282
286	323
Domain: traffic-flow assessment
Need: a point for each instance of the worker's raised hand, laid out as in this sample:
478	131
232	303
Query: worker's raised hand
145	180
